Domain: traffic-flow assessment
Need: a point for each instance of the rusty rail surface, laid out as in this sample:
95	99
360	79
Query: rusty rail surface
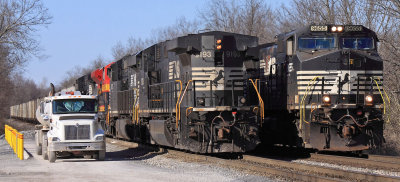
324	171
253	166
383	158
373	160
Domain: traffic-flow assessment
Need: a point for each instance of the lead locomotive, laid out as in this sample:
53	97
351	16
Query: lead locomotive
322	87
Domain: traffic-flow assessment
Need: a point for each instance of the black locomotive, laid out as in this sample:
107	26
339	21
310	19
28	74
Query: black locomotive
185	93
319	87
322	87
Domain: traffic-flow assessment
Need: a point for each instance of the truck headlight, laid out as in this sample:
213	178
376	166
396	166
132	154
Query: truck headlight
55	139
99	138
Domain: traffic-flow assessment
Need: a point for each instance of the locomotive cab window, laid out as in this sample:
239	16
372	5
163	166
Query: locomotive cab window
316	42
357	43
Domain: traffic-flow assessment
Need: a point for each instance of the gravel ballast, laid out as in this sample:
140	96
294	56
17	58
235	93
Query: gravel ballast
122	164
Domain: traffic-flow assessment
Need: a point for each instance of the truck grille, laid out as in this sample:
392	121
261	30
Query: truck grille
77	132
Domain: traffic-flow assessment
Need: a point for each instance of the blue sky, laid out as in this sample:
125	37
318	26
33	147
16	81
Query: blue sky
81	30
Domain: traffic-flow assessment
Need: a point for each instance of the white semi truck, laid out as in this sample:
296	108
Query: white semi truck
69	127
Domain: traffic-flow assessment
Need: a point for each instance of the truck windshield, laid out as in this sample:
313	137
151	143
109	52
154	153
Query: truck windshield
74	106
316	42
357	43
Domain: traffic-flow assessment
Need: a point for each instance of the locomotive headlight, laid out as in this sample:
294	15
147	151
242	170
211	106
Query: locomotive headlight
242	100
201	101
339	28
333	29
369	99
326	99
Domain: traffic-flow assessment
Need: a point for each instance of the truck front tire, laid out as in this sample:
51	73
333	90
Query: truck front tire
101	155
38	144
39	149
52	156
44	147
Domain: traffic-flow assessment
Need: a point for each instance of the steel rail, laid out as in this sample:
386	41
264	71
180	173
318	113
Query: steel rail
329	172
377	161
253	167
272	167
383	158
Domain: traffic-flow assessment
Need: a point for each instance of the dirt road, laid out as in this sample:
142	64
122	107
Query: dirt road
122	164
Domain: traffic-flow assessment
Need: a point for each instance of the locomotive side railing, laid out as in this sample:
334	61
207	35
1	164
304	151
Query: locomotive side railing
261	102
383	99
310	85
163	97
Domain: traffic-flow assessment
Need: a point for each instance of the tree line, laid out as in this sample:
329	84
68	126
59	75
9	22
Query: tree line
20	20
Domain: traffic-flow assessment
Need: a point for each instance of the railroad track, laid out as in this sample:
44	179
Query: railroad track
285	168
384	158
377	161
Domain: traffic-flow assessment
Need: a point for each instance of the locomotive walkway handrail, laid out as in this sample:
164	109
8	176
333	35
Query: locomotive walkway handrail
16	141
180	101
135	109
303	110
260	100
383	99
177	102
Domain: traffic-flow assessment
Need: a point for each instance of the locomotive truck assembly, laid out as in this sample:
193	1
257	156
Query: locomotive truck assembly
320	86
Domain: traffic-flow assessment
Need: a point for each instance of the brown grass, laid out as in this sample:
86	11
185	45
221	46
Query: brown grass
17	124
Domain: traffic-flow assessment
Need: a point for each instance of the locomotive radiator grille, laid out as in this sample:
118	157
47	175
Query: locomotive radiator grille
223	75
348	79
77	132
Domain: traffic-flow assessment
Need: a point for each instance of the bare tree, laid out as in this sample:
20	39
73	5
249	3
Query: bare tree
119	51
181	27
19	21
222	15
78	71
251	17
134	45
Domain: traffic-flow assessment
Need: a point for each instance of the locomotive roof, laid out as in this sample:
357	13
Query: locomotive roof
326	30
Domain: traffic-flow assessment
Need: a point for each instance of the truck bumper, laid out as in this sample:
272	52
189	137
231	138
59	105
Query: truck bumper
75	146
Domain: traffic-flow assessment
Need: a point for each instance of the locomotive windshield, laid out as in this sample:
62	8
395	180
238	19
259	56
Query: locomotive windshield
357	43
316	42
74	106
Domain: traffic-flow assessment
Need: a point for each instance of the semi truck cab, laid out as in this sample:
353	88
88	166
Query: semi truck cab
69	127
